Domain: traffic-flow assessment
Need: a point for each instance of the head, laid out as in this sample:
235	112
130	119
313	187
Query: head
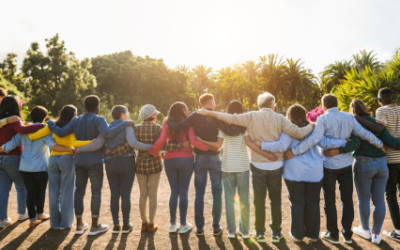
38	114
297	115
329	101
266	100
92	104
207	101
67	113
177	112
236	107
385	96
3	93
10	106
149	113
120	112
357	107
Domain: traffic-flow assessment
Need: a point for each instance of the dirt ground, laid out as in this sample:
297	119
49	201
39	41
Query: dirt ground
18	236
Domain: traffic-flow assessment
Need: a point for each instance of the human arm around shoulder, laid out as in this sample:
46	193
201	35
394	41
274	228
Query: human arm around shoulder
64	131
184	124
9	120
237	119
375	128
92	146
365	134
280	145
40	133
381	116
313	139
293	130
108	132
12	144
229	129
133	142
22	129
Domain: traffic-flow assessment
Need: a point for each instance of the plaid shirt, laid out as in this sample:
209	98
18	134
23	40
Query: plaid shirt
147	132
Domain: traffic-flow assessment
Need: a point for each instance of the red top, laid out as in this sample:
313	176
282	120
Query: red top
8	131
181	137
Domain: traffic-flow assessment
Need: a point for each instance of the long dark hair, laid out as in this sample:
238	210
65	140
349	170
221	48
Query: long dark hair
10	106
66	114
357	107
236	107
297	115
176	114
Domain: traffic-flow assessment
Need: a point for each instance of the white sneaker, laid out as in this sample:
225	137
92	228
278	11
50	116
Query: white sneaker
5	223
174	228
231	236
366	234
81	229
186	228
101	228
376	239
23	216
244	236
294	238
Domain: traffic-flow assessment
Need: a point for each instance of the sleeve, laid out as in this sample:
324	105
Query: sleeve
381	117
327	143
13	143
280	145
49	140
352	145
389	140
96	145
182	125
173	146
311	140
3	122
196	143
20	128
221	134
76	143
374	127
64	131
229	129
159	144
40	133
293	130
106	131
365	134
133	142
121	150
237	119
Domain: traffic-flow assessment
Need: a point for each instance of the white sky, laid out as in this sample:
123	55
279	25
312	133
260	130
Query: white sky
216	33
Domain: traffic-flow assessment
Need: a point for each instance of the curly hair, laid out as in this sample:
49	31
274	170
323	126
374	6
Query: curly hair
297	115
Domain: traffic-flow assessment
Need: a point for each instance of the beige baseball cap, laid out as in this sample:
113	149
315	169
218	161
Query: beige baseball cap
147	111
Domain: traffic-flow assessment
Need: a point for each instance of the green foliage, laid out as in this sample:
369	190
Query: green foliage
11	88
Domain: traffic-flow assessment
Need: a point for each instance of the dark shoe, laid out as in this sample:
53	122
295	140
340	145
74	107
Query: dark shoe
346	240
127	229
392	235
152	228
217	231
327	236
116	229
145	226
198	232
276	237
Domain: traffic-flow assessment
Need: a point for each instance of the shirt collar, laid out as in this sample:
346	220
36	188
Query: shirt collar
266	109
117	121
330	110
391	105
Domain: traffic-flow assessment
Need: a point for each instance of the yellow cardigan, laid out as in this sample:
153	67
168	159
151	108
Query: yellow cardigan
67	141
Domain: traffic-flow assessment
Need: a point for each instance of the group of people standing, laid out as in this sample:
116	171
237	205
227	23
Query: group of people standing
339	148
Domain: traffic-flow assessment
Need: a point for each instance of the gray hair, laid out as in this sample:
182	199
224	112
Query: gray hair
265	100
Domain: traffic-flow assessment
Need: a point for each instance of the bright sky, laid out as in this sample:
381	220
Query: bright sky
216	33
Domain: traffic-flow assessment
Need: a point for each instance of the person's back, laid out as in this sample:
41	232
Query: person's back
389	116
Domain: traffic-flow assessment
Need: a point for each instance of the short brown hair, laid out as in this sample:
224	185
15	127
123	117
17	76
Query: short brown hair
329	101
204	98
38	114
297	114
3	92
357	107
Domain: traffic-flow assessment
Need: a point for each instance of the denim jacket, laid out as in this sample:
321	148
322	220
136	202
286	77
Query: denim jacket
117	140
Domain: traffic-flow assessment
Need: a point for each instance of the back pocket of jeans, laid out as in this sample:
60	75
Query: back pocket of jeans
365	165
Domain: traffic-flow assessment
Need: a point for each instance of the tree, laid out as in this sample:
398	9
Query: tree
201	80
364	59
333	74
57	78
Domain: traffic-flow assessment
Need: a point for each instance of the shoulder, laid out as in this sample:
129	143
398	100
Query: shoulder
100	118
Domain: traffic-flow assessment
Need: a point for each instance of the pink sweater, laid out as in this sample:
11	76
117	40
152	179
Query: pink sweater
184	152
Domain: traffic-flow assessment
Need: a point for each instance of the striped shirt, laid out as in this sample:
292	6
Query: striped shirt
235	157
389	116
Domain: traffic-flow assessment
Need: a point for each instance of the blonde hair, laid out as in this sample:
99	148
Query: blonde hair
357	107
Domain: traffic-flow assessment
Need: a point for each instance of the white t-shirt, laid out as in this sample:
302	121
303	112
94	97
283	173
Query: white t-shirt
389	116
235	157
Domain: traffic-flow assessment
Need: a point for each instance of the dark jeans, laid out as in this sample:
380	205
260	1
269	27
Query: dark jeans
267	181
36	184
121	174
344	177
179	172
392	190
202	166
304	208
95	174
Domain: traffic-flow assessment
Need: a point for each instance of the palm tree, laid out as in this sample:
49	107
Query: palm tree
364	59
251	72
333	74
201	79
183	69
273	73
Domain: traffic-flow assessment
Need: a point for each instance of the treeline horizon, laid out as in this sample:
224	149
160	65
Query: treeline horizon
54	77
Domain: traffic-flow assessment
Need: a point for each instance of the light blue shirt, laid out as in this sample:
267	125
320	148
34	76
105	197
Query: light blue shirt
338	125
306	167
35	154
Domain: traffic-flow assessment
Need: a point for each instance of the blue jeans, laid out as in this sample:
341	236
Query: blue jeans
9	165
61	172
179	172
370	177
239	181
202	166
95	173
121	174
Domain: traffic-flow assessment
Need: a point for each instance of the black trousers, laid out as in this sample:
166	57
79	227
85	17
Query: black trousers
344	177
304	208
267	181
392	190
36	184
